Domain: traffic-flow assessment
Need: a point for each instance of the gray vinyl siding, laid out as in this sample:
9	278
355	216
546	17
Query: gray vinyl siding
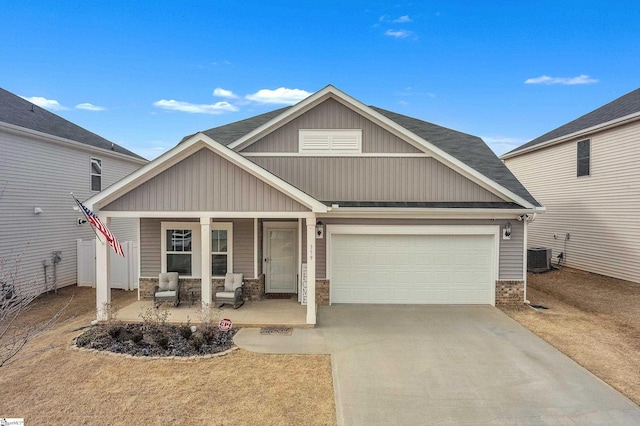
599	211
331	114
151	250
36	172
150	246
375	179
243	253
510	257
204	181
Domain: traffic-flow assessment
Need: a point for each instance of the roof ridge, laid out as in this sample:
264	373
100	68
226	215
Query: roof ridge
622	106
20	112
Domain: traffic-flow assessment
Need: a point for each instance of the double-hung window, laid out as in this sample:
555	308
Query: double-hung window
180	248
584	158
221	248
96	174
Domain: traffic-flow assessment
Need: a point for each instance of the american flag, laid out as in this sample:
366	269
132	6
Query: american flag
97	223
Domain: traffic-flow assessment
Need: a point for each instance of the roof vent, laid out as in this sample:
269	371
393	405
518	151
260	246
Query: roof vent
538	259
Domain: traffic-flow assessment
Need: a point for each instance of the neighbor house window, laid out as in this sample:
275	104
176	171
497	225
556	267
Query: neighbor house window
221	249
180	248
584	157
96	174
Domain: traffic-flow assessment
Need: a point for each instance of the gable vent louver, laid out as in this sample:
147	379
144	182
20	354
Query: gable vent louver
330	142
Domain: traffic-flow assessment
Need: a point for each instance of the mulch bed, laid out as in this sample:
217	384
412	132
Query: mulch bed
162	340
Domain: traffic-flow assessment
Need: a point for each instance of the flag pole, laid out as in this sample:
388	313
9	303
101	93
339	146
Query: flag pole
85	217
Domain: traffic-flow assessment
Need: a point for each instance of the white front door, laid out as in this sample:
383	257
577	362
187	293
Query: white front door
280	247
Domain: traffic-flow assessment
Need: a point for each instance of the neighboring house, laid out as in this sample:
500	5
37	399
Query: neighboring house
587	175
43	158
332	200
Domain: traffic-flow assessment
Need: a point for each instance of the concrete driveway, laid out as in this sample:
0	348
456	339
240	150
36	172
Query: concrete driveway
418	365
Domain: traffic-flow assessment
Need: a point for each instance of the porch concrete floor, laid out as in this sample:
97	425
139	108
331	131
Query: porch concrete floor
264	313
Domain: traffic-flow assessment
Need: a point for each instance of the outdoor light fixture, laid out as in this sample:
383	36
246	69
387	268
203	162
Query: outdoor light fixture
37	210
506	231
319	230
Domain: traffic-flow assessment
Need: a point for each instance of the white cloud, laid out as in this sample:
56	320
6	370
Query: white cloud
45	103
503	144
217	108
402	19
281	95
90	107
399	33
545	79
222	93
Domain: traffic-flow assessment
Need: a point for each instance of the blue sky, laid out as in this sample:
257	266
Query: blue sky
145	74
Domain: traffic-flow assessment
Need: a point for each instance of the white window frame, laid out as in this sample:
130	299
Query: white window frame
327	141
196	245
223	226
99	162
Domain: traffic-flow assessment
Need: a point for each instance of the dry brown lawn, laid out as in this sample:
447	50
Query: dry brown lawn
52	383
593	319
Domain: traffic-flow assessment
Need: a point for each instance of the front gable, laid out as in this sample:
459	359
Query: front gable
205	181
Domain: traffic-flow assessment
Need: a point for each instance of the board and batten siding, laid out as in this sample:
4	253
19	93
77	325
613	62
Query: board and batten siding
599	212
331	114
151	250
36	172
375	179
510	256
204	181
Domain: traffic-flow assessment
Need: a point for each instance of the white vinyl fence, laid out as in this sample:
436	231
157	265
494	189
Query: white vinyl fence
123	271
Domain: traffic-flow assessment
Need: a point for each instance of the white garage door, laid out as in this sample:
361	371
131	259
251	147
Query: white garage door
412	269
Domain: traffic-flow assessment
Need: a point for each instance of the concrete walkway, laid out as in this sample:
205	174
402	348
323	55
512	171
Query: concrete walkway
417	365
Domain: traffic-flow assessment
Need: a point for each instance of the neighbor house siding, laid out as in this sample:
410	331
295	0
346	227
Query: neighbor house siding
510	255
375	179
36	172
204	181
331	114
599	211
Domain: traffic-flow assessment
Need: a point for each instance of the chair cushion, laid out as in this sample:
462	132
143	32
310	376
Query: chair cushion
168	281
237	281
166	293
226	294
228	282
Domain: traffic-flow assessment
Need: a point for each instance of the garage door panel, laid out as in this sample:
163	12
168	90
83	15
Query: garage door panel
411	268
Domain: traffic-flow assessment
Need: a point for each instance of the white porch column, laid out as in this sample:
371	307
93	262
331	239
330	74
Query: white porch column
103	293
205	263
311	270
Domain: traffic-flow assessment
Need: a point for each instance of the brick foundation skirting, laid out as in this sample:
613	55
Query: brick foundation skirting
253	288
322	292
509	292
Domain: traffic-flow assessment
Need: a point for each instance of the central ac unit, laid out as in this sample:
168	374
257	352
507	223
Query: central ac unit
538	259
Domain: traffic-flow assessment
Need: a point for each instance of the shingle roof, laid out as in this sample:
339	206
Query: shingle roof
233	131
471	150
621	107
20	112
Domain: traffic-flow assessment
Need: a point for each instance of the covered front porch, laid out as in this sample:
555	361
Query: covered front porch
265	313
275	253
